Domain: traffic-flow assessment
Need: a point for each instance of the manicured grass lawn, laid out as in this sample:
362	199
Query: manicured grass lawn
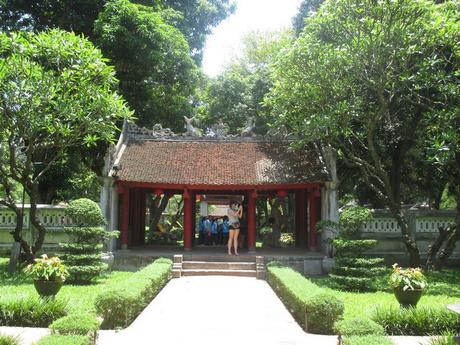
80	297
444	288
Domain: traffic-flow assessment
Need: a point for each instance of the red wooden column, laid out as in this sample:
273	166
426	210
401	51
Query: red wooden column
124	222
188	220
313	203
301	218
251	214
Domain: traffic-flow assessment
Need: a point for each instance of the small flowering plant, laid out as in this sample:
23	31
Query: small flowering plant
48	269
407	279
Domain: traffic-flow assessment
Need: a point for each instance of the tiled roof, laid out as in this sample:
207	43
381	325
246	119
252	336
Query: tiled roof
219	162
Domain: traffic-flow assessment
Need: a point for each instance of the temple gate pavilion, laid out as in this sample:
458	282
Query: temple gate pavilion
159	161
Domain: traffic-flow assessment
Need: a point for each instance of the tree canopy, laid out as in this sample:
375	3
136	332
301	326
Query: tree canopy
362	76
56	92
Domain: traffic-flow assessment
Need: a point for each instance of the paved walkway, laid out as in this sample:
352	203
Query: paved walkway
26	335
215	310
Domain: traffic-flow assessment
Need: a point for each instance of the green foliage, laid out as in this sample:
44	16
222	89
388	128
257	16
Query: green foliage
367	340
352	219
417	321
235	96
9	340
83	256
353	247
47	269
152	61
59	94
322	311
85	212
76	324
31	311
65	340
407	279
122	303
305	10
305	299
358	326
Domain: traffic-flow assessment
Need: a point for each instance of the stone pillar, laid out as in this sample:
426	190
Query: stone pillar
188	219
125	218
251	214
203	208
113	219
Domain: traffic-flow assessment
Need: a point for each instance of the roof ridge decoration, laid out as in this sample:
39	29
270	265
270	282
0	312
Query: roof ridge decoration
215	132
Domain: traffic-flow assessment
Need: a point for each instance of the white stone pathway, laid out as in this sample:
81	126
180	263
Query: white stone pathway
215	310
26	335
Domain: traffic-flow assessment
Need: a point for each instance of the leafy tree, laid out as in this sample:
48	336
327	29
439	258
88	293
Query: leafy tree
55	93
361	78
157	75
236	96
306	9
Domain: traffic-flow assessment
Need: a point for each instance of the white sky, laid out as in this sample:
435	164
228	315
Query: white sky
250	15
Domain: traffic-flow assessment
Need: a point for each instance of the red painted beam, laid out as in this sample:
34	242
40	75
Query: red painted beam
125	219
188	219
251	214
210	187
314	204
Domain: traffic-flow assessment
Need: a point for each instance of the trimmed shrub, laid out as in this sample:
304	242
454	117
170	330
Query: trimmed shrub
351	271
31	311
306	301
358	326
121	304
9	340
367	340
417	321
64	340
83	256
76	324
322	311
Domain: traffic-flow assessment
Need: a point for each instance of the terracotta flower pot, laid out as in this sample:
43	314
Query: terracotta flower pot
408	298
47	288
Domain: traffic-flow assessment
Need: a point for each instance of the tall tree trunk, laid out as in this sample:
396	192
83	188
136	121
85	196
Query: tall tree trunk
433	249
34	220
157	205
176	217
407	236
275	214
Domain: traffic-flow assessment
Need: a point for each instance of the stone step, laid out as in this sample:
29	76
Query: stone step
220	258
219	265
218	272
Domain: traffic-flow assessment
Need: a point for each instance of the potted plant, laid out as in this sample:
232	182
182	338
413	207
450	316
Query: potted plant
49	274
408	285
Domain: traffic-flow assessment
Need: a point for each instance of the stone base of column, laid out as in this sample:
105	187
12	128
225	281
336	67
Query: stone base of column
251	250
187	249
124	247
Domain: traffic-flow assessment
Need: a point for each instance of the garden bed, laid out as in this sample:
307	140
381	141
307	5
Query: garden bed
294	289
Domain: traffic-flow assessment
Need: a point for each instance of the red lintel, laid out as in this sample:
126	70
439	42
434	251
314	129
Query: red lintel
204	187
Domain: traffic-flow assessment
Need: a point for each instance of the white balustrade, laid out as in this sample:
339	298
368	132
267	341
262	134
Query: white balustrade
52	217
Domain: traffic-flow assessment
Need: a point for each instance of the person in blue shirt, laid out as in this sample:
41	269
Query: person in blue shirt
214	231
207	231
201	230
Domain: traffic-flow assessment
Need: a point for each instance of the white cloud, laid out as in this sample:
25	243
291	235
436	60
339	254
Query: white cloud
250	15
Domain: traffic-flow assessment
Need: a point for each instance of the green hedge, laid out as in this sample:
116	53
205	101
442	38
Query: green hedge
9	340
417	321
120	305
313	307
76	324
367	340
31	311
65	340
358	326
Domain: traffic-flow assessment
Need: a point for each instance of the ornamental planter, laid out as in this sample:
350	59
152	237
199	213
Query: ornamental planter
47	288
408	298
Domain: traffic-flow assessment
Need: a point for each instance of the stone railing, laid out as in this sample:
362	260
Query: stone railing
52	217
420	221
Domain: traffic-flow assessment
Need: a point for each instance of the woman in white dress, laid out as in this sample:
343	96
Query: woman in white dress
234	212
